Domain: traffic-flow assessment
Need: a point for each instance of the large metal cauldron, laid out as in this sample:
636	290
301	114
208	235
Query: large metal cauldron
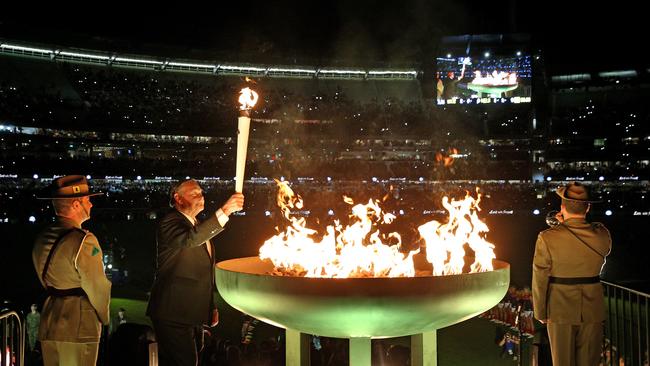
359	308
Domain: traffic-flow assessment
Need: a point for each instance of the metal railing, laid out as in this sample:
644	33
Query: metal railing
626	326
12	332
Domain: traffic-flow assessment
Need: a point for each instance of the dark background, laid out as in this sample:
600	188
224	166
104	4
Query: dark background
575	36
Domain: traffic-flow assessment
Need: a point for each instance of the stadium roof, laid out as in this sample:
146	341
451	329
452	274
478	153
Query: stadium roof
574	36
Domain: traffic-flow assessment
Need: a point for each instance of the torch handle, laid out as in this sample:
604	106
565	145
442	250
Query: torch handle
243	127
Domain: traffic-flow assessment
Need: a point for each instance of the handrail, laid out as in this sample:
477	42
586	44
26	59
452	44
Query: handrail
9	343
626	289
627	339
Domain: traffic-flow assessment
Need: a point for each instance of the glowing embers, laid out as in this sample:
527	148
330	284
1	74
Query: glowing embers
360	249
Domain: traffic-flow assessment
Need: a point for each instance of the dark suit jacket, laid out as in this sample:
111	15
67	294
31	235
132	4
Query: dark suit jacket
183	286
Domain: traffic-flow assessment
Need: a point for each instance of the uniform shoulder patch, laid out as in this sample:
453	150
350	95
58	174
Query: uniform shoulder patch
95	251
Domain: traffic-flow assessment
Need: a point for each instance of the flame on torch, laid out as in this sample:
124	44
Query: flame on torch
247	99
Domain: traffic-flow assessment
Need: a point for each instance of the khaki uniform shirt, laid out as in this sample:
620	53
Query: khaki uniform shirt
77	262
559	253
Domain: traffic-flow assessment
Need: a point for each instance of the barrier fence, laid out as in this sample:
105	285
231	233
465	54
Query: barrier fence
12	332
626	327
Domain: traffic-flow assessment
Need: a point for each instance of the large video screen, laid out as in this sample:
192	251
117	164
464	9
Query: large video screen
483	79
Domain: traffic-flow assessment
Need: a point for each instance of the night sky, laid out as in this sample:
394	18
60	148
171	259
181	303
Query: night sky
575	35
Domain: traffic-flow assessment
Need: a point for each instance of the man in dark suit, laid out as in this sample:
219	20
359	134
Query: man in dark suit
181	298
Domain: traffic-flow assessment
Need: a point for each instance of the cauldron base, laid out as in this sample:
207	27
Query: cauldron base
423	349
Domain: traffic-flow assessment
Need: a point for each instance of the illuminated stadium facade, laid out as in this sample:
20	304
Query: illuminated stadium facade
532	136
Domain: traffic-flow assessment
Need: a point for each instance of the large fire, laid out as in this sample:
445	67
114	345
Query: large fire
361	250
498	78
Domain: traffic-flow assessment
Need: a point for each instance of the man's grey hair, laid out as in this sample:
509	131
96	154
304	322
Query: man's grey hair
175	188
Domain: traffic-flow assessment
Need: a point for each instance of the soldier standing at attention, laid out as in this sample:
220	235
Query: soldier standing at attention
567	294
68	262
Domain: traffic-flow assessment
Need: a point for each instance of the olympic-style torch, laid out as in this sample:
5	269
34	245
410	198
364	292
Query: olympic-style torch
247	100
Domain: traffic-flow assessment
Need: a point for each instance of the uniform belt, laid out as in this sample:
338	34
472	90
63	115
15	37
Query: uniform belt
55	292
573	280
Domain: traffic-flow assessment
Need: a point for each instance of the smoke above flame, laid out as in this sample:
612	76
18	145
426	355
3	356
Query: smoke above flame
360	249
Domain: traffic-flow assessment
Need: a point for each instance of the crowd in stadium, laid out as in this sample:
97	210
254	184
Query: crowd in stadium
100	98
147	199
312	134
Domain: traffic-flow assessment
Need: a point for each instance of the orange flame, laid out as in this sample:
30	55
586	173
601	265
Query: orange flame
360	250
445	242
497	78
247	98
446	160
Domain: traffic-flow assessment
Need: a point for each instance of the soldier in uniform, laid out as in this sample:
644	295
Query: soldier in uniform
32	322
68	262
567	294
